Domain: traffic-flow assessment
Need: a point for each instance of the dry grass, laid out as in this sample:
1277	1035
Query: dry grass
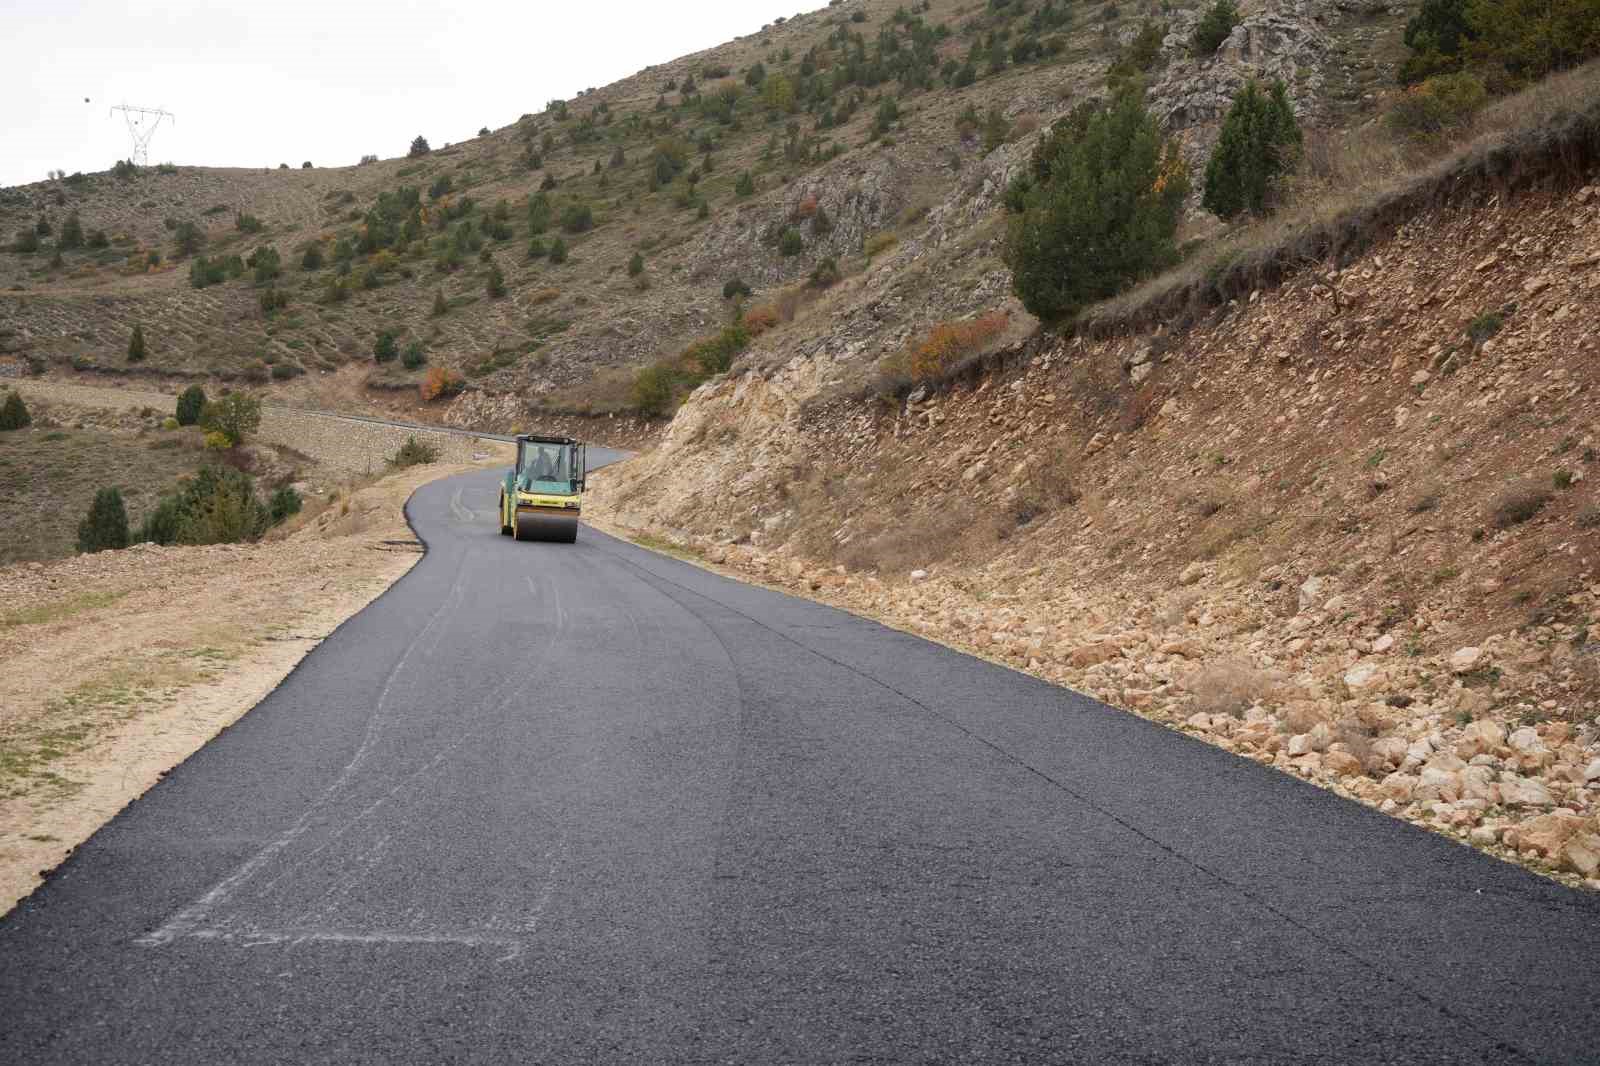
1517	504
949	344
1228	687
1356	190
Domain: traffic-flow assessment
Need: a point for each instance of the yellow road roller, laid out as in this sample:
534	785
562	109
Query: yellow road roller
542	497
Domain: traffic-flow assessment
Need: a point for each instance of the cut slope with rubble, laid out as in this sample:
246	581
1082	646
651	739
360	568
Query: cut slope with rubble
1346	527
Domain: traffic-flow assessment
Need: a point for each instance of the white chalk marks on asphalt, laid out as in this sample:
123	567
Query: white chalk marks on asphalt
346	872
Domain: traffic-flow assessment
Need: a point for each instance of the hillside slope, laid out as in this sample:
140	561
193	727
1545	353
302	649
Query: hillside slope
1347	527
855	132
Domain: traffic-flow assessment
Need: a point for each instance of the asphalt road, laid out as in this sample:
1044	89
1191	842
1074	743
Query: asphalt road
565	804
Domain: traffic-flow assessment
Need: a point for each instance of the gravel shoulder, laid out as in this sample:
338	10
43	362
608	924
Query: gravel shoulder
121	664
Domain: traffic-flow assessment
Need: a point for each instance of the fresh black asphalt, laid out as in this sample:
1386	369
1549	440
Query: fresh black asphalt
563	804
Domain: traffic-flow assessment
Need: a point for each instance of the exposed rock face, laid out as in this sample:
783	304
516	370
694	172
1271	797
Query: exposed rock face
1286	39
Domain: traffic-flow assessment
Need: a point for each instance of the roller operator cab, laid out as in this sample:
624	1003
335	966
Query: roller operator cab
541	497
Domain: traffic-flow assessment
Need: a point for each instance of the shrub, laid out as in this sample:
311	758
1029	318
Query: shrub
745	185
1260	140
169	423
879	242
413	357
715	354
234	416
440	304
995	130
27	241
652	390
218	505
414	452
1484	326
944	348
1522	41
266	263
71	233
98	239
14	412
636	265
558	251
1517	504
1214	28
1435	35
495	282
1097	208
757	320
106	524
188	238
136	350
1440	105
272	299
824	275
247	223
440	382
1141	54
538	213
577	218
191	402
384	348
821	224
734	286
285	502
285	371
790	242
124	169
306	165
312	259
419	147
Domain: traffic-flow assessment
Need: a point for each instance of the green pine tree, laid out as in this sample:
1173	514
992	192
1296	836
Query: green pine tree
191	402
14	413
1214	28
1259	141
106	524
136	344
1097	209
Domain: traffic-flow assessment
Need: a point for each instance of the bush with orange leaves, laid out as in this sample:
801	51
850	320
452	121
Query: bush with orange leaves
807	207
441	382
943	349
757	320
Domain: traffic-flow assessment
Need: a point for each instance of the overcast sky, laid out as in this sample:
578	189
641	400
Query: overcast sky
283	81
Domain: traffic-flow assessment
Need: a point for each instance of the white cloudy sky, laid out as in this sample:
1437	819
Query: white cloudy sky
282	81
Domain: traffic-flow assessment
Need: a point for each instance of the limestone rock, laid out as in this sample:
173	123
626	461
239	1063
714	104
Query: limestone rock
1518	791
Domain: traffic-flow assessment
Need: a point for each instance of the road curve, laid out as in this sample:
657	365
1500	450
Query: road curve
562	804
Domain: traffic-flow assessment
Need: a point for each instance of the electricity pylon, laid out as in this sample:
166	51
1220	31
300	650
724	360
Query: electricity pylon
142	123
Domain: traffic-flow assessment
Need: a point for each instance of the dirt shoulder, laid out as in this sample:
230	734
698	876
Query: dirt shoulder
120	665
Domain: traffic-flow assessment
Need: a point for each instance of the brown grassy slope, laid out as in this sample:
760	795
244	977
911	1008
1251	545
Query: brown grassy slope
48	478
561	328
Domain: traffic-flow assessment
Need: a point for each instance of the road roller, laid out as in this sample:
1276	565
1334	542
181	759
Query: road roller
542	496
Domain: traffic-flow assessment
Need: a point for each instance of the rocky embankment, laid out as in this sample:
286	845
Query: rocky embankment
1345	528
